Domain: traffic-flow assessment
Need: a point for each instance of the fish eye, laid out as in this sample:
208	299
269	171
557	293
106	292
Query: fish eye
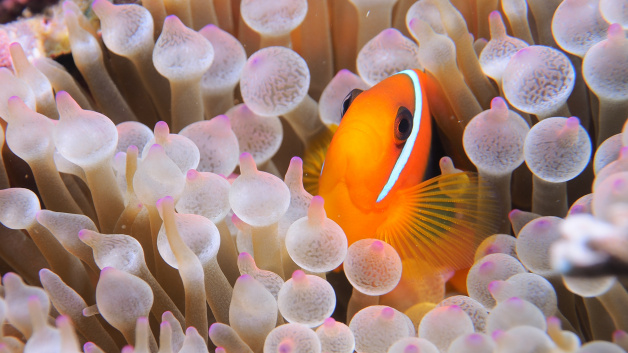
403	124
348	100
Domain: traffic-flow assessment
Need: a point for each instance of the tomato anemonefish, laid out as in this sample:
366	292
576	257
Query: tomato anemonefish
372	179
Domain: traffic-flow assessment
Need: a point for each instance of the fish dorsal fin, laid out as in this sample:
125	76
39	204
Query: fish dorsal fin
440	222
314	158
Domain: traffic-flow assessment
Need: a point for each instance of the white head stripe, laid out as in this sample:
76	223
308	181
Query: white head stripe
416	125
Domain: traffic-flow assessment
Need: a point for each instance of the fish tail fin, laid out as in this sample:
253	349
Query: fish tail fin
438	224
314	158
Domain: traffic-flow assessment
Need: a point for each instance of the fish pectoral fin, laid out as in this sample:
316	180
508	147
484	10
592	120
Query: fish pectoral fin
314	158
439	223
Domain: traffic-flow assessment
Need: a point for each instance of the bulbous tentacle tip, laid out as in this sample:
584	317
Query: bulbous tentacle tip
156	149
192	175
244	256
172	22
161	130
387	313
499	103
247	164
296	160
298	275
616	31
165	203
223	120
495	286
103	8
66	105
245	278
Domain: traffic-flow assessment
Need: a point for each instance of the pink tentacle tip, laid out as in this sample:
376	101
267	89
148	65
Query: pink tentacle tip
576	209
247	164
494	286
243	108
164	201
317	201
255	61
387	313
192	174
619	184
68	13
162	127
411	348
14	99
171	18
615	30
132	149
494	15
62	95
244	255
377	246
542	224
142	319
492	249
156	148
572	122
454	308
245	277
223	119
62	320
474	338
298	276
499	103
285	346
296	159
213	327
329	322
127	349
120	155
515	212
190	330
515	301
389	32
83	234
619	334
10	278
498	334
164	324
345	71
89	347
553	321
487	267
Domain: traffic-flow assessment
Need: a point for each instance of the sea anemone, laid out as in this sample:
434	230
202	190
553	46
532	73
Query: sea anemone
119	235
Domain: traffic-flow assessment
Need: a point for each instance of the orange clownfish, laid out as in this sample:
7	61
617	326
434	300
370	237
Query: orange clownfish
372	179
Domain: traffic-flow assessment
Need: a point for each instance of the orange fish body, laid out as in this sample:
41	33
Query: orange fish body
364	151
372	181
